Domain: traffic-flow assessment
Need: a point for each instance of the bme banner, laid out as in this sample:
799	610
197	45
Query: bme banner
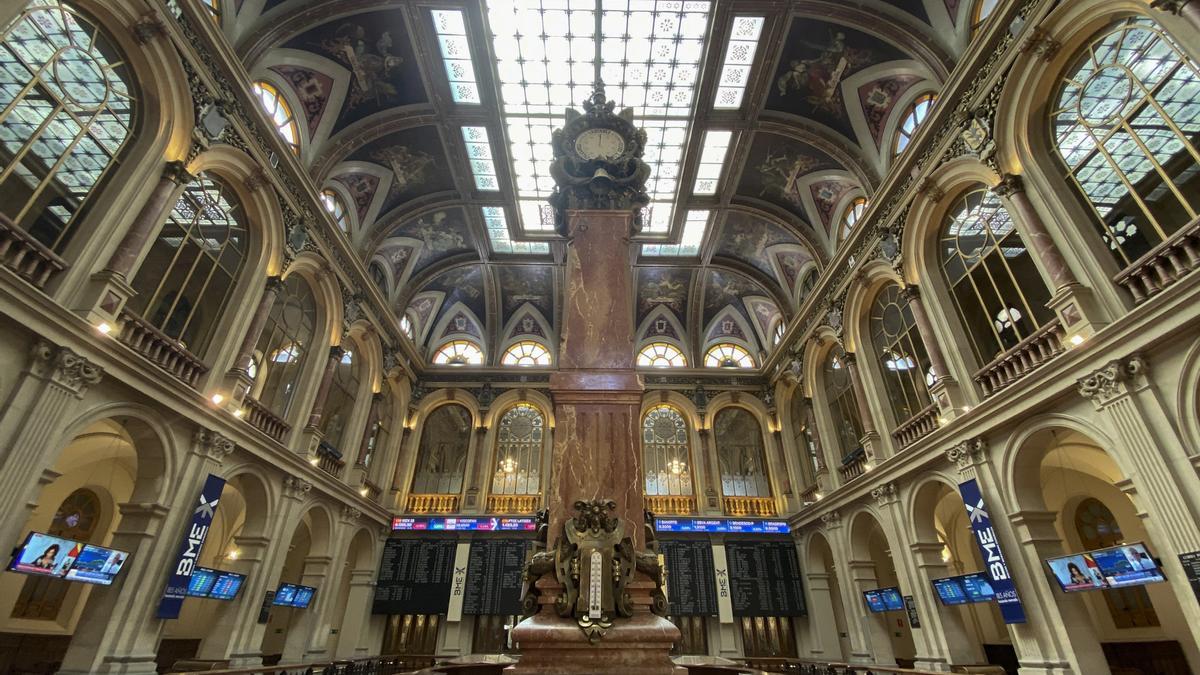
189	548
993	558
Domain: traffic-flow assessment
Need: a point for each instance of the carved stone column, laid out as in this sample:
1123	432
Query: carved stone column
874	626
945	390
1070	300
712	502
1188	9
942	627
822	623
870	440
318	406
110	287
239	376
358	615
45	396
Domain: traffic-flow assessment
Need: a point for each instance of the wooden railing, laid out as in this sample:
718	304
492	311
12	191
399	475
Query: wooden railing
432	503
1027	355
1164	264
853	465
329	460
674	505
264	420
917	426
373	491
749	506
163	351
26	256
378	665
807	667
513	503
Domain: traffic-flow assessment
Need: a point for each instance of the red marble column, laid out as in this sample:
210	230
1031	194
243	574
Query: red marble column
149	219
372	418
318	406
257	323
811	428
936	359
860	395
1012	189
1188	9
597	393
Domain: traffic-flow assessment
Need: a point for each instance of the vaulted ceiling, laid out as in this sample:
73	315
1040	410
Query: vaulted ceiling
444	232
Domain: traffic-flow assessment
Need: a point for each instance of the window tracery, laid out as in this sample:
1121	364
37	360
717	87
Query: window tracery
667	452
459	353
661	355
442	453
526	353
840	400
336	207
740	454
728	355
911	120
901	353
289	329
519	440
280	113
339	405
852	215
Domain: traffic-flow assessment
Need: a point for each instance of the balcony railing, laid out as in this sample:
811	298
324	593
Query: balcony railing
917	426
513	503
164	351
749	506
264	420
674	505
1164	264
810	494
26	256
330	460
853	465
372	490
1027	355
432	503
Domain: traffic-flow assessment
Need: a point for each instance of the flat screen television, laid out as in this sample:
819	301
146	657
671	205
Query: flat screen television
950	591
884	600
304	596
1113	567
978	587
226	585
200	584
46	555
294	595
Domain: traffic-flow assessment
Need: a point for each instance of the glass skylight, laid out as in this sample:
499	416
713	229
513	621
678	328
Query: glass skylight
548	56
479	153
712	158
497	227
739	56
456	54
694	229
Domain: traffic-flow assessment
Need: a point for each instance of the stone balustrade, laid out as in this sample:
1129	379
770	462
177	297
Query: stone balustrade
162	350
917	426
853	465
26	256
432	504
1164	264
264	420
676	505
810	494
1028	354
371	490
513	503
749	506
329	460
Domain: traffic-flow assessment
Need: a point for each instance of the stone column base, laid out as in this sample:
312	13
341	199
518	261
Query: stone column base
551	645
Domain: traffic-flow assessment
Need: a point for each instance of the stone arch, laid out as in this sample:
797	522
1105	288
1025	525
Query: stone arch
1187	404
158	456
776	466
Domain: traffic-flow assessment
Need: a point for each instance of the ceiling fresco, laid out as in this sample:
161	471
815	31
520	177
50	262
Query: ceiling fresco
416	161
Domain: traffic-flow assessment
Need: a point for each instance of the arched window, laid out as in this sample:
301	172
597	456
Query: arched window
285	338
280	113
740	454
802	433
1126	124
661	355
336	207
339	405
916	113
442	455
666	452
214	7
380	432
808	283
406	325
459	353
76	518
187	277
997	290
777	332
519	439
728	355
901	354
66	111
379	278
980	12
839	397
526	353
1130	607
852	215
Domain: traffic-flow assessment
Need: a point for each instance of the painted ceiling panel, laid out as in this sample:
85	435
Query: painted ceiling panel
776	168
747	237
416	160
441	234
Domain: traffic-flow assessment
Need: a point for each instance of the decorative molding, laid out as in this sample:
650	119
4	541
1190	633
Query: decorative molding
212	444
1108	382
968	453
295	487
884	494
930	190
64	367
831	520
349	514
149	27
1041	44
1171	6
1009	185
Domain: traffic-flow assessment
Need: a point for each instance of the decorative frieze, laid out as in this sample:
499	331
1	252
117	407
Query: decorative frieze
1107	383
295	487
212	445
969	453
64	367
884	494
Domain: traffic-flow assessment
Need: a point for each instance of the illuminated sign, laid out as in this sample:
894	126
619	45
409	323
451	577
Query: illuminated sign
721	525
464	524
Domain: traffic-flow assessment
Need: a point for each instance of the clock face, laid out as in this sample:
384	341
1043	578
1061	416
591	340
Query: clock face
599	144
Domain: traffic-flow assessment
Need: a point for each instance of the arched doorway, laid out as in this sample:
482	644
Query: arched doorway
352	611
889	637
827	635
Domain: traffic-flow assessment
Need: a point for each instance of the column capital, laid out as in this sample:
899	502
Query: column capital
1009	185
831	520
295	487
176	172
64	367
350	515
336	353
1171	6
910	292
274	283
885	494
968	453
211	444
1108	382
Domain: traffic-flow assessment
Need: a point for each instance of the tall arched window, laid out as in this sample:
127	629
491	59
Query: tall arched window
519	439
76	518
661	355
442	455
526	353
916	113
808	283
1130	607
802	434
66	111
980	12
839	397
381	431
191	269
1126	124
285	339
459	353
280	112
852	215
339	406
740	454
666	452
901	354
336	207
997	290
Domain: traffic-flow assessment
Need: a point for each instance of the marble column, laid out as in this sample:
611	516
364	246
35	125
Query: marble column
46	393
1187	9
148	220
710	503
361	461
318	406
870	439
257	323
945	390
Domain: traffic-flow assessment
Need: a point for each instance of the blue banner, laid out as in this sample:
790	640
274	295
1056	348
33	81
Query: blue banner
993	558
189	548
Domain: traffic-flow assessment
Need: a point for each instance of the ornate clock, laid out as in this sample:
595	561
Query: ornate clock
598	161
